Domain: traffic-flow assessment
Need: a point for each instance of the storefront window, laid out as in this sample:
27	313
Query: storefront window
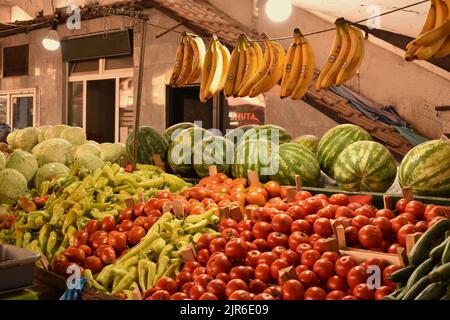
22	108
126	108
244	111
3	109
75	107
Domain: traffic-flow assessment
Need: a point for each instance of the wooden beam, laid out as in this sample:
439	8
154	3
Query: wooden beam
442	108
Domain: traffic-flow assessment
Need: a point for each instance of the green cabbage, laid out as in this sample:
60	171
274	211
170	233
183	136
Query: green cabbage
42	131
24	162
88	148
93	142
27	138
54	150
2	161
55	131
112	152
13	186
90	162
11	139
49	172
74	135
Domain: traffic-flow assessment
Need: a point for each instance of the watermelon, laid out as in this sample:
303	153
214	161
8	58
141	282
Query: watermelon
236	134
150	143
267	132
426	169
181	150
365	166
309	141
171	133
257	155
335	141
216	151
294	159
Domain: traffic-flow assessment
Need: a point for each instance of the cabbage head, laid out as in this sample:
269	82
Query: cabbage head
89	162
112	152
48	172
27	138
55	131
11	139
2	161
88	148
42	131
13	186
74	135
54	150
24	162
93	142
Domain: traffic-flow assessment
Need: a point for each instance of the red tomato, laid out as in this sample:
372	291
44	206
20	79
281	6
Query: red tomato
273	189
362	292
252	258
197	272
398	222
261	244
224	277
282	223
93	263
343	221
267	258
432	212
236	249
160	295
227	223
196	292
229	233
257	286
108	223
343	266
312	205
203	256
324	268
401	205
349	297
255	198
432	222
351	235
217	287
386	213
203	279
315	293
354	205
296	238
183	277
370	236
311	218
99	241
244	225
421	226
296	212
302	226
373	262
242	272
117	240
291	257
126	225
364	211
277	239
314	237
218	263
300	268
383	291
246	235
263	272
410	217
360	221
310	257
179	296
417	208
264	296
234	285
303	247
278	250
240	295
331	255
302	195
261	230
168	284
92	226
335	295
204	241
185	288
217	245
344	212
322	226
339	199
276	266
208	296
394	248
136	234
337	283
406	229
356	275
108	255
327	212
275	291
190	266
126	214
387	273
321	245
385	226
293	290
81	238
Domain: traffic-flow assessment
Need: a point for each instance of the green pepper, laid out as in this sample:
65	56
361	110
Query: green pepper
104	277
200	217
101	215
126	281
170	271
165	252
211	232
101	206
71	218
71	231
153	183
151	274
142	272
51	244
133	261
101	183
155	248
92	282
27	237
34	246
196	227
19	238
162	267
44	188
119	272
43	236
58	212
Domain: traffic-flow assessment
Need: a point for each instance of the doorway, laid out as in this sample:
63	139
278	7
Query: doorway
18	108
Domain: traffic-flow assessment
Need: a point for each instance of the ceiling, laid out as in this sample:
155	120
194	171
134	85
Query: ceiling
407	22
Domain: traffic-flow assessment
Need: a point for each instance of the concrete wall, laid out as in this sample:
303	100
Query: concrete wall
5	13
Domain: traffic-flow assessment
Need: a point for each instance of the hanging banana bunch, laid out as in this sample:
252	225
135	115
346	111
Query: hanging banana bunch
189	60
299	68
434	39
215	68
345	57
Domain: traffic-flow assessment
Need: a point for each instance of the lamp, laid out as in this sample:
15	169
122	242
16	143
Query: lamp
51	41
278	10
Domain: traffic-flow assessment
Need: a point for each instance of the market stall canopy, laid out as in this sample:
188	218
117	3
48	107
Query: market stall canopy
407	22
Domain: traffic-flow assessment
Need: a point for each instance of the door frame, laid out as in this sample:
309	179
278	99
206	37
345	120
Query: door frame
18	93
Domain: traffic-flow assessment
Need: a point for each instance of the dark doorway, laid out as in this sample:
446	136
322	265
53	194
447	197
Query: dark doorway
101	110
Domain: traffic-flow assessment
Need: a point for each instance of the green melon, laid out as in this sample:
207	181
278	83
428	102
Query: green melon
150	143
426	169
213	151
181	150
236	134
294	159
309	141
335	141
365	166
171	133
267	132
257	155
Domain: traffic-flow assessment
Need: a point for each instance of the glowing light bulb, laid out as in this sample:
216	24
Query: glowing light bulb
278	10
51	41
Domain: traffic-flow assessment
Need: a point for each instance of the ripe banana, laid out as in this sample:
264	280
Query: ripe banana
186	66
307	71
241	66
293	66
212	71
226	62
330	77
336	49
355	56
430	21
231	74
258	51
199	50
444	50
178	63
251	67
275	70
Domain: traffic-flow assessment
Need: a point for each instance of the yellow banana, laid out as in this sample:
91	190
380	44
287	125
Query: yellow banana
215	76
186	67
293	66
443	51
335	50
441	28
355	56
307	73
207	67
275	70
226	62
198	49
431	18
241	67
231	74
262	68
178	63
251	68
330	77
426	52
259	53
441	12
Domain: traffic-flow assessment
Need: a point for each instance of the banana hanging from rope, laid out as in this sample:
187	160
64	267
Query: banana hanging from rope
251	65
199	51
433	40
354	57
232	71
242	63
307	70
293	66
212	71
226	64
178	63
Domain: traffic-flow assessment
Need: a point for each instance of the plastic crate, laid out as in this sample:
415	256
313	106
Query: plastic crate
16	267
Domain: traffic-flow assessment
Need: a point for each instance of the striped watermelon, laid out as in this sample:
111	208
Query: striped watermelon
181	150
365	166
150	143
216	151
171	133
235	135
335	141
295	159
256	155
426	169
309	141
267	132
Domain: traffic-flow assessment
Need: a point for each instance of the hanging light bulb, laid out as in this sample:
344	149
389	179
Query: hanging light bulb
278	10
51	41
